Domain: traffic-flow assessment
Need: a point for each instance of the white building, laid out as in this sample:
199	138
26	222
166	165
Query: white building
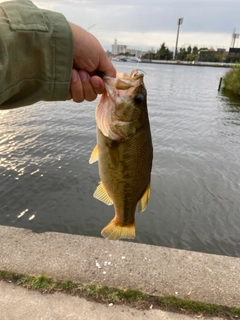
118	48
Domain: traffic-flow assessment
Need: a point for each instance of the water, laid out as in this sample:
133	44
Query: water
47	182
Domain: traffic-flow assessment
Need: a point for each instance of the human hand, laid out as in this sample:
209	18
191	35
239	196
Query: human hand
84	87
88	61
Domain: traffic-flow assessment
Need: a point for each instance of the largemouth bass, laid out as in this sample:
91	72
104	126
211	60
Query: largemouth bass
124	151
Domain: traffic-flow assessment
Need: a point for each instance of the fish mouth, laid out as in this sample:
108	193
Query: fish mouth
116	86
126	81
134	75
137	73
126	78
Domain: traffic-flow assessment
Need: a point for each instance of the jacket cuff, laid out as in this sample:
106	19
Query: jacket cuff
62	54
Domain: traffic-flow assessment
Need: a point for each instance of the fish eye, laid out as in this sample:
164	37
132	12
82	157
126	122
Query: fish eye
139	99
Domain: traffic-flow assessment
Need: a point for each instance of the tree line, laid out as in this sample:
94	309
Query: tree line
191	54
163	53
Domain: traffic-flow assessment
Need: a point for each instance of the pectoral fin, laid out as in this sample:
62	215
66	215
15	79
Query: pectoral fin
142	203
94	155
101	194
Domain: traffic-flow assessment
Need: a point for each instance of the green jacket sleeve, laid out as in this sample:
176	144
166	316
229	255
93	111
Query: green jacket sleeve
36	54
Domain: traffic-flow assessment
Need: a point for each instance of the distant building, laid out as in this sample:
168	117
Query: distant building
118	48
221	50
233	55
234	50
211	55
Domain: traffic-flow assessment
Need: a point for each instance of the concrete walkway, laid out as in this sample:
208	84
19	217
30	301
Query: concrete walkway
154	270
17	303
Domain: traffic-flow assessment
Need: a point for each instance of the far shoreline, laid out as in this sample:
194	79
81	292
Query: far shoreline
183	63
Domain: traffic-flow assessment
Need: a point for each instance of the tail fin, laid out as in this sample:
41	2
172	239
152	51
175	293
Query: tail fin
115	231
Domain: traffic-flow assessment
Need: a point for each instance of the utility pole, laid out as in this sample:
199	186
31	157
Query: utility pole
180	21
234	37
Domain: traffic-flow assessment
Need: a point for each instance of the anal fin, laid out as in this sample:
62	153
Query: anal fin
142	203
101	194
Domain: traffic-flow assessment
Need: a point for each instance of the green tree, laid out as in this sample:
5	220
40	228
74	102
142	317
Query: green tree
195	50
189	50
191	57
149	55
163	53
129	54
182	54
218	57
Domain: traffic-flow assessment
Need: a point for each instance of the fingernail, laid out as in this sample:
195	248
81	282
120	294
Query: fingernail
74	76
84	76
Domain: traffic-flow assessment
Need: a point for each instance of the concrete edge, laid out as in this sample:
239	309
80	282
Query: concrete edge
153	270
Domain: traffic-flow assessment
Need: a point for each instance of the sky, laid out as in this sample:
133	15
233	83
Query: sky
146	24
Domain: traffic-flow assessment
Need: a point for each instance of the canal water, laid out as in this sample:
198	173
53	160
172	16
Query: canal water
46	182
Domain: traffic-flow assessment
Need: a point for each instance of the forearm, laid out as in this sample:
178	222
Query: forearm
36	55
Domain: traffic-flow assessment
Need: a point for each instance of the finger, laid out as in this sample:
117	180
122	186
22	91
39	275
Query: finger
106	66
89	93
76	87
97	84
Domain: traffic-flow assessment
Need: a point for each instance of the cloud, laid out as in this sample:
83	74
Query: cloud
209	22
204	15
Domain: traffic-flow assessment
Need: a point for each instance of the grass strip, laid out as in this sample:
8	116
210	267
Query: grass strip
231	80
104	294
